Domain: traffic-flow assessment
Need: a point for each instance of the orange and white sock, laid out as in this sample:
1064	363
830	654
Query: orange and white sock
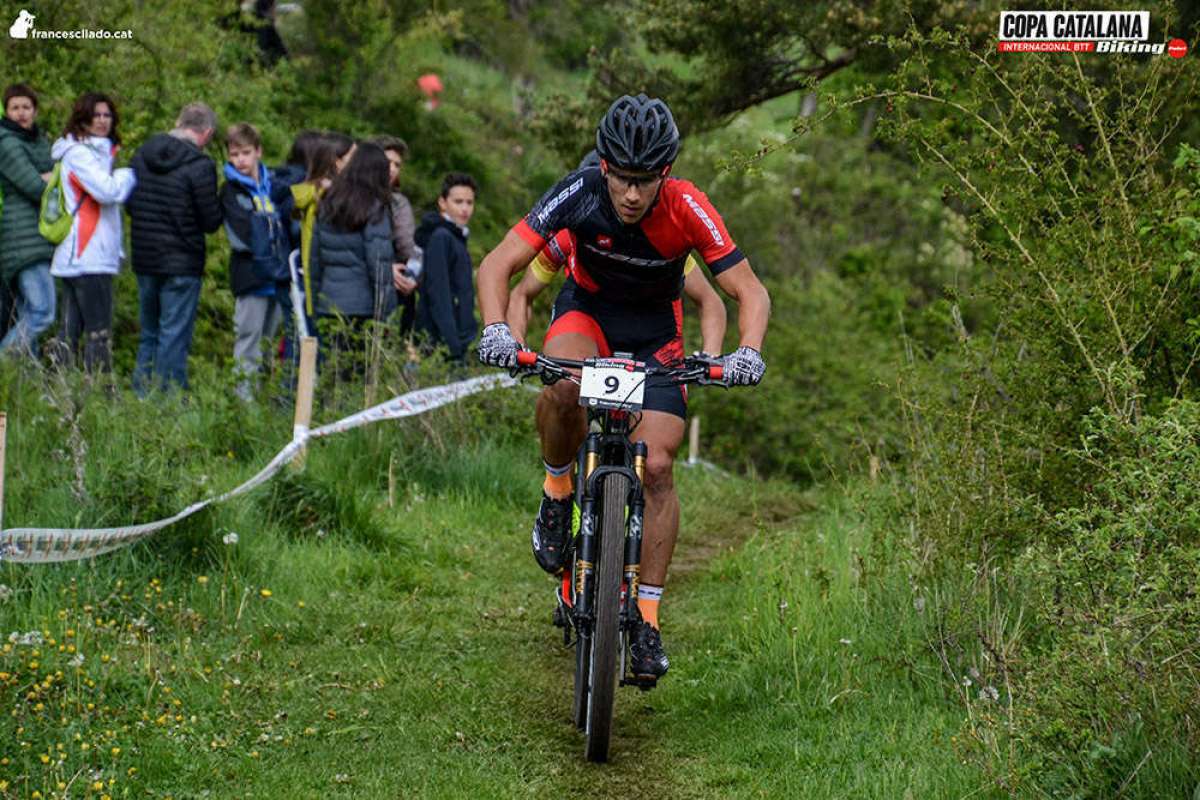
648	600
558	481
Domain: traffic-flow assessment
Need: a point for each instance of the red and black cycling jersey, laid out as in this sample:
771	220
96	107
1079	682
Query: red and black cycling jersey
633	265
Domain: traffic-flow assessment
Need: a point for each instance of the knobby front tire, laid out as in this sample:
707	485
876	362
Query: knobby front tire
606	634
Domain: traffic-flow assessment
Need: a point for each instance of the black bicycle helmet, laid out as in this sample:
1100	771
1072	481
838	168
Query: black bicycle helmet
638	133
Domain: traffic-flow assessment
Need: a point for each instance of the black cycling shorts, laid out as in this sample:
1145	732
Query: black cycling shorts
653	335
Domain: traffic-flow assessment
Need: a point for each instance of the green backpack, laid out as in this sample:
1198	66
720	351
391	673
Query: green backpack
54	221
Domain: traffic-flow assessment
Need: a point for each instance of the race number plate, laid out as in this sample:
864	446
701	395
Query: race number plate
613	383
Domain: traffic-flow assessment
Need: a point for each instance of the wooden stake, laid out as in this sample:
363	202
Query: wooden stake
304	391
694	441
3	437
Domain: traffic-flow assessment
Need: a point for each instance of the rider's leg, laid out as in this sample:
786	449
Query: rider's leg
561	421
562	425
663	433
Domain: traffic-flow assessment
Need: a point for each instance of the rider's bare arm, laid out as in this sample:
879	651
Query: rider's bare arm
754	304
712	310
520	303
512	255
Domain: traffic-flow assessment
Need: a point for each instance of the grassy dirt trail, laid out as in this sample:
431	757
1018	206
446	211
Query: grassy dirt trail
410	654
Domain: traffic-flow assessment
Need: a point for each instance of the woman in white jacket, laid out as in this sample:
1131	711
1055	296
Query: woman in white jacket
91	254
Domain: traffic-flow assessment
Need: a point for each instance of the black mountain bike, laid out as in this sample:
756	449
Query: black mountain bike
598	599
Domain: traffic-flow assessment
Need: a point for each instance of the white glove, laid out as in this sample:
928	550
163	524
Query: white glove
497	346
743	367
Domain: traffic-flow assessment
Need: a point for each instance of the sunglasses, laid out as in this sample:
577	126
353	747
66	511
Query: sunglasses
625	181
635	181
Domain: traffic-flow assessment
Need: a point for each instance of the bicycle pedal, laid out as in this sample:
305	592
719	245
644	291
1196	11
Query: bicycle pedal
643	682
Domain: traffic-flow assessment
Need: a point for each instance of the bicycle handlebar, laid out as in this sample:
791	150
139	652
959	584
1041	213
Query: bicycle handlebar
695	369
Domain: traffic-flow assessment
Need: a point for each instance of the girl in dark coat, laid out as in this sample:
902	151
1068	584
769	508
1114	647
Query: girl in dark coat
352	254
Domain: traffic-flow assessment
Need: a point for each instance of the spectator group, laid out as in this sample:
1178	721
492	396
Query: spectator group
326	242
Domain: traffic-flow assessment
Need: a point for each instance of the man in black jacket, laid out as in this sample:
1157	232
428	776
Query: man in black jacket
172	208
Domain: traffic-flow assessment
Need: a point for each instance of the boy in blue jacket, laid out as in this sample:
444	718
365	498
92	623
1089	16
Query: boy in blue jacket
256	219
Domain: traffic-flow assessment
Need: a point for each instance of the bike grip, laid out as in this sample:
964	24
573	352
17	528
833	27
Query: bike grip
716	372
527	358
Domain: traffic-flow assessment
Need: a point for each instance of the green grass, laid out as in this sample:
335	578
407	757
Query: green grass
345	647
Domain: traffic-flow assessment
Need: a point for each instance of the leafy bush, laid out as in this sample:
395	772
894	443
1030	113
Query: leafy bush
1050	453
860	255
1111	669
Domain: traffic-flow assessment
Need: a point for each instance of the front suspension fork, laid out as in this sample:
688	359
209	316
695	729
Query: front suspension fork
585	561
633	540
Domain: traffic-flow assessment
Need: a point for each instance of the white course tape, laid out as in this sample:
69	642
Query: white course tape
44	545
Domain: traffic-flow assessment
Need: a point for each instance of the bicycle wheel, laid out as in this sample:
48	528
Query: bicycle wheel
606	639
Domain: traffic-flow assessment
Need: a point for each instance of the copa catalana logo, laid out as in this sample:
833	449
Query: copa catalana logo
1082	32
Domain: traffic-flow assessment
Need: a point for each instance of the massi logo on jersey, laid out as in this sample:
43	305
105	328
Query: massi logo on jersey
559	199
1081	32
706	219
634	260
24	28
604	241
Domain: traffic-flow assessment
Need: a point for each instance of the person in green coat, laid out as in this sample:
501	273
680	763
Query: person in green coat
25	166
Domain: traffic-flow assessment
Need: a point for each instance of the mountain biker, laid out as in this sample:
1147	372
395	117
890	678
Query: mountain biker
633	226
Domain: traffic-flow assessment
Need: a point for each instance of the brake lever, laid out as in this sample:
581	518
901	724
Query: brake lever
552	376
549	373
691	376
698	374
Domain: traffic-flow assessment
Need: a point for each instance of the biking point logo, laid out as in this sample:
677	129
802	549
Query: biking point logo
1082	32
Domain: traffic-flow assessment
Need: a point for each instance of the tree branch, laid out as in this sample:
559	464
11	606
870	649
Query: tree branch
794	79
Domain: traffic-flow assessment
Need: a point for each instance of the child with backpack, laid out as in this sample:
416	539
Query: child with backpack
255	207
